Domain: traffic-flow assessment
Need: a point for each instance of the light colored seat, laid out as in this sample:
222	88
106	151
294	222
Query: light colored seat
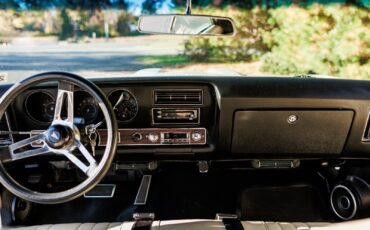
262	225
77	226
363	224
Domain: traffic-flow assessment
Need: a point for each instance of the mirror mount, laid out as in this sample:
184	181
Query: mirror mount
188	7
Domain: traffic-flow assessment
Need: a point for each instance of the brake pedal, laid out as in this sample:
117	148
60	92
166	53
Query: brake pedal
142	193
101	191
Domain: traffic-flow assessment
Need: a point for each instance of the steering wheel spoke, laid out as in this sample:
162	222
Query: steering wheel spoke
89	167
65	96
15	152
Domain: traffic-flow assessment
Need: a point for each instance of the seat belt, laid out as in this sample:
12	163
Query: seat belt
230	221
232	224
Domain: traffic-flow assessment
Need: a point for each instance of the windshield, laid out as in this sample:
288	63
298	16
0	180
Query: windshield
99	39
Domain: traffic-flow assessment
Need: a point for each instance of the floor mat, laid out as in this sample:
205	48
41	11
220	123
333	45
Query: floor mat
89	210
288	203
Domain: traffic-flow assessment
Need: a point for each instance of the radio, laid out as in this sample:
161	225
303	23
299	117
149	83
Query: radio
153	136
175	137
175	116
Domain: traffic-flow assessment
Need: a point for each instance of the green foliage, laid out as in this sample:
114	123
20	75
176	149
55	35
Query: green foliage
330	40
67	27
267	4
67	23
151	6
246	45
71	4
122	26
321	40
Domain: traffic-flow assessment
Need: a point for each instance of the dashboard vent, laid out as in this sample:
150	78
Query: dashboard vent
178	97
5	139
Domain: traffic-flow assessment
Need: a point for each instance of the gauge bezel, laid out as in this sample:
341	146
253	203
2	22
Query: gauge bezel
26	102
76	102
133	96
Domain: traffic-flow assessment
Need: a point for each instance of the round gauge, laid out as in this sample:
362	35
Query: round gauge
87	108
40	106
124	105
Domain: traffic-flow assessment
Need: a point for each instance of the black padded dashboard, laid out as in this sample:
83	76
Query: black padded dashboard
225	96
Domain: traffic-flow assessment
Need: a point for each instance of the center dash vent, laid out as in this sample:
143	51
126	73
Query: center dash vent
178	97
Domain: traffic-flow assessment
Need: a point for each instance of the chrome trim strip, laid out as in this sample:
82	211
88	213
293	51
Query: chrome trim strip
157	144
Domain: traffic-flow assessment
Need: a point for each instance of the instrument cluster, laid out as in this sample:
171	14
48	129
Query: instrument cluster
40	105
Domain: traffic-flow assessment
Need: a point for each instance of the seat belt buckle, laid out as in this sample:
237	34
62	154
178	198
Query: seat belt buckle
225	216
143	216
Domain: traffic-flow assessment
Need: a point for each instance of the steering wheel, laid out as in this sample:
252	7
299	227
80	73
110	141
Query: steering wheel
61	138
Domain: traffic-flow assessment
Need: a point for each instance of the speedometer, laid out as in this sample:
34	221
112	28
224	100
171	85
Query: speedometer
124	105
40	106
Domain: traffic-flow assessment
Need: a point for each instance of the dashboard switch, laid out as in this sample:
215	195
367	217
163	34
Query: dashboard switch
136	137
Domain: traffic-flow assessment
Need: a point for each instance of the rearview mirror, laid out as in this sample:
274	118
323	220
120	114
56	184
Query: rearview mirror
186	25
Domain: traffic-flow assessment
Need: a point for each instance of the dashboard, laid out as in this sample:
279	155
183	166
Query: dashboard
151	117
218	117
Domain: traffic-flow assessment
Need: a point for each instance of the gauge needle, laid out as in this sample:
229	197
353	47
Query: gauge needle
121	98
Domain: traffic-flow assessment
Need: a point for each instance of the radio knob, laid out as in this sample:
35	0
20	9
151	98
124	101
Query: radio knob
153	137
196	136
136	137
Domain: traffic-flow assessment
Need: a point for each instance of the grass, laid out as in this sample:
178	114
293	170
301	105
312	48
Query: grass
166	60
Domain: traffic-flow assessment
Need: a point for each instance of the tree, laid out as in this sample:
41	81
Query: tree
266	3
67	27
72	4
151	6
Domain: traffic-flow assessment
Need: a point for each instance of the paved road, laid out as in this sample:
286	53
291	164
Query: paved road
119	57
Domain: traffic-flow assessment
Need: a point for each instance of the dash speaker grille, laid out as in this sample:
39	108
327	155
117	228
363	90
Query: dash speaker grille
343	202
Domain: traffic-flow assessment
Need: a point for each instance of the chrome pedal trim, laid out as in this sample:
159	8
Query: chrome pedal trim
110	194
142	193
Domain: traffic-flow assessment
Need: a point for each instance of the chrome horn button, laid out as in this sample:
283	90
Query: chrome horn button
58	136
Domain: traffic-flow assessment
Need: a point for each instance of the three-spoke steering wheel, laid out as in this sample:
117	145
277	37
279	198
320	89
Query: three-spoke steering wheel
61	138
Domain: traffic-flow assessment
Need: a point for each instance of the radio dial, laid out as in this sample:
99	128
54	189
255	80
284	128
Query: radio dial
196	136
153	137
